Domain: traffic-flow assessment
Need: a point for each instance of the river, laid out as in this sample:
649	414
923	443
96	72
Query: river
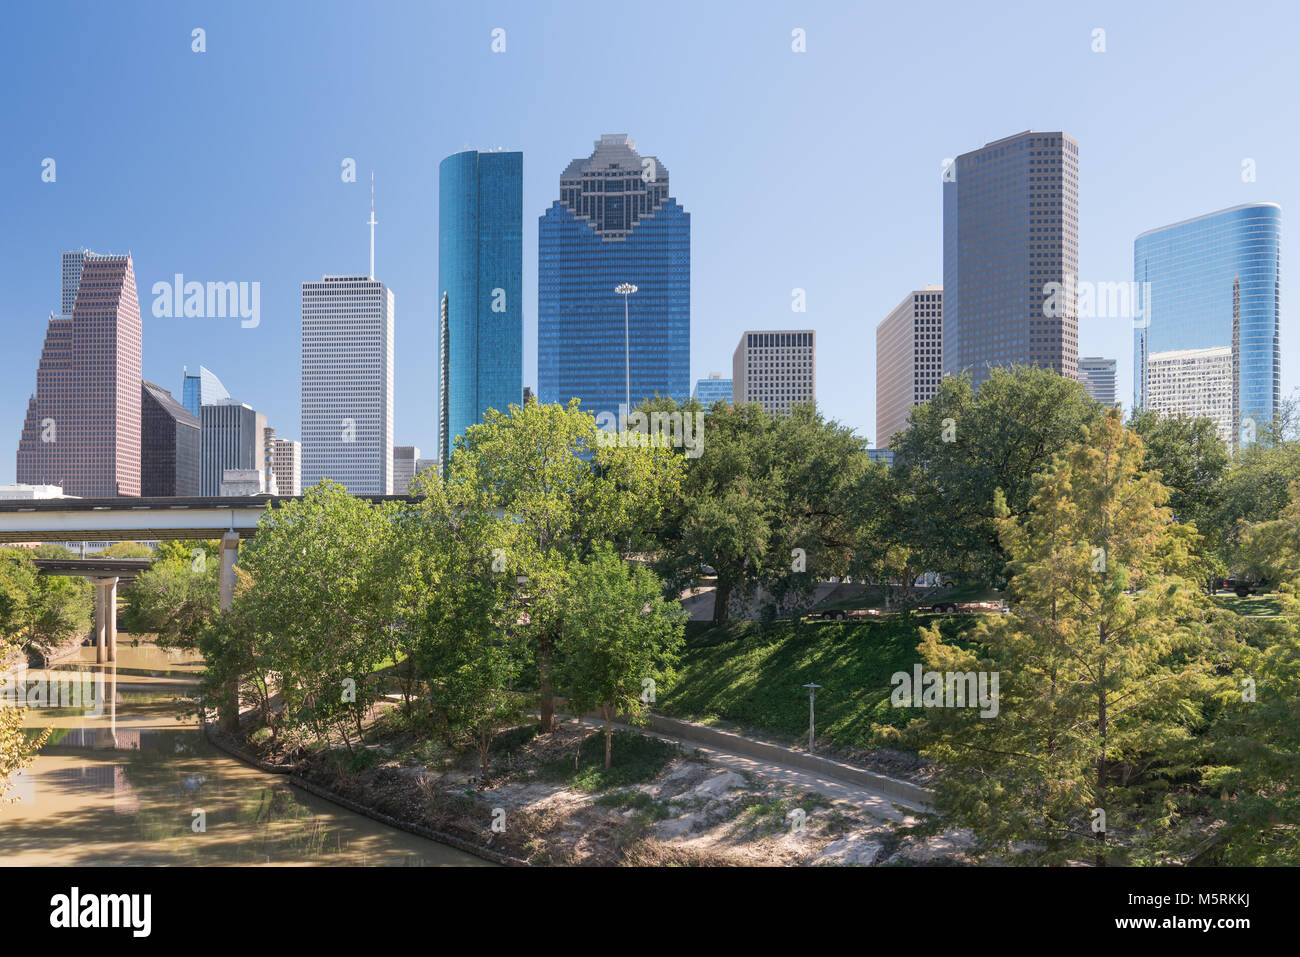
125	778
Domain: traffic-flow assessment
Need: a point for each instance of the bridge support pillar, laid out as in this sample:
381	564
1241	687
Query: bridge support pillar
99	623
229	552
228	709
105	619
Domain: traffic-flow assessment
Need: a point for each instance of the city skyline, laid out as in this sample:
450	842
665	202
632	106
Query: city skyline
763	182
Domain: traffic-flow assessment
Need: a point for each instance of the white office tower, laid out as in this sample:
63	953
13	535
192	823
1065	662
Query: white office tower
347	384
1194	383
776	368
286	461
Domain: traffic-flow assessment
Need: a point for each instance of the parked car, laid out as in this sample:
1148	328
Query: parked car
1245	587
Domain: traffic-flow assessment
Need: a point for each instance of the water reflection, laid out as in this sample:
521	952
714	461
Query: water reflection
135	782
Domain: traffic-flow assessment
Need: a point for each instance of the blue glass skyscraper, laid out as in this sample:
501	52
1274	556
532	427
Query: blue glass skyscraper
480	288
202	389
1212	282
615	222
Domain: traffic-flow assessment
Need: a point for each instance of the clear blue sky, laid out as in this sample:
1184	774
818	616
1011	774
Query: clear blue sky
818	170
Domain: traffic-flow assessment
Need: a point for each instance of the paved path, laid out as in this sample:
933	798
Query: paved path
873	802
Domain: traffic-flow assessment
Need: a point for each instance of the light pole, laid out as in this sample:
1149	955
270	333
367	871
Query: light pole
626	289
812	693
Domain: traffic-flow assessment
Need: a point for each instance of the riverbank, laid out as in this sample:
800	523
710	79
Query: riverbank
547	800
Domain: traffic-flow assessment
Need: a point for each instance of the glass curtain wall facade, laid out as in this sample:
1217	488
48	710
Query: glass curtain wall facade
202	389
480	280
1214	282
614	223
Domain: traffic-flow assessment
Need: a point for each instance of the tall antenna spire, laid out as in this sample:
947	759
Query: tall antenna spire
372	223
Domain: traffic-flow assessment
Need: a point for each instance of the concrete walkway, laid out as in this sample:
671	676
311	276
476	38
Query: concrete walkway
885	798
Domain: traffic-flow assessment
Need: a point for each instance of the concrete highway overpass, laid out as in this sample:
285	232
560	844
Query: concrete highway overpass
136	519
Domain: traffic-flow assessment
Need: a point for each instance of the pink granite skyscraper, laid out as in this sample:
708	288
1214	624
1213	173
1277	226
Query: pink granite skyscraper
82	430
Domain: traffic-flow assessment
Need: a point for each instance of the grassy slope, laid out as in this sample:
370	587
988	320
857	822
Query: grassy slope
745	676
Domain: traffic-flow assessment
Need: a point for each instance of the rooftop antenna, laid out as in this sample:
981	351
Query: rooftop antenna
372	223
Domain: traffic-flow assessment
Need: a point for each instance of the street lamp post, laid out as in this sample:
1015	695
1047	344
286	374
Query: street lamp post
812	693
626	289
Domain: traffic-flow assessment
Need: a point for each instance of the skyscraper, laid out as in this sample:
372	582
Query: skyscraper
1010	229
1196	383
232	436
202	389
776	368
1098	378
73	261
713	389
286	458
169	445
347	384
1213	282
404	459
82	429
615	222
480	284
909	359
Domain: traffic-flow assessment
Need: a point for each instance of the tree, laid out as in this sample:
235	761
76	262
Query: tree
39	611
562	492
175	597
470	646
765	507
1191	461
316	597
52	550
1251	781
1253	490
1102	664
963	446
17	750
126	550
57	608
621	638
1271	550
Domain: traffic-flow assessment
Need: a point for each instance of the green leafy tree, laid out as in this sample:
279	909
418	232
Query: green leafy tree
177	595
621	638
562	492
126	550
1103	671
963	446
765	508
470	646
17	748
1253	490
1191	461
1250	785
52	550
316	596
